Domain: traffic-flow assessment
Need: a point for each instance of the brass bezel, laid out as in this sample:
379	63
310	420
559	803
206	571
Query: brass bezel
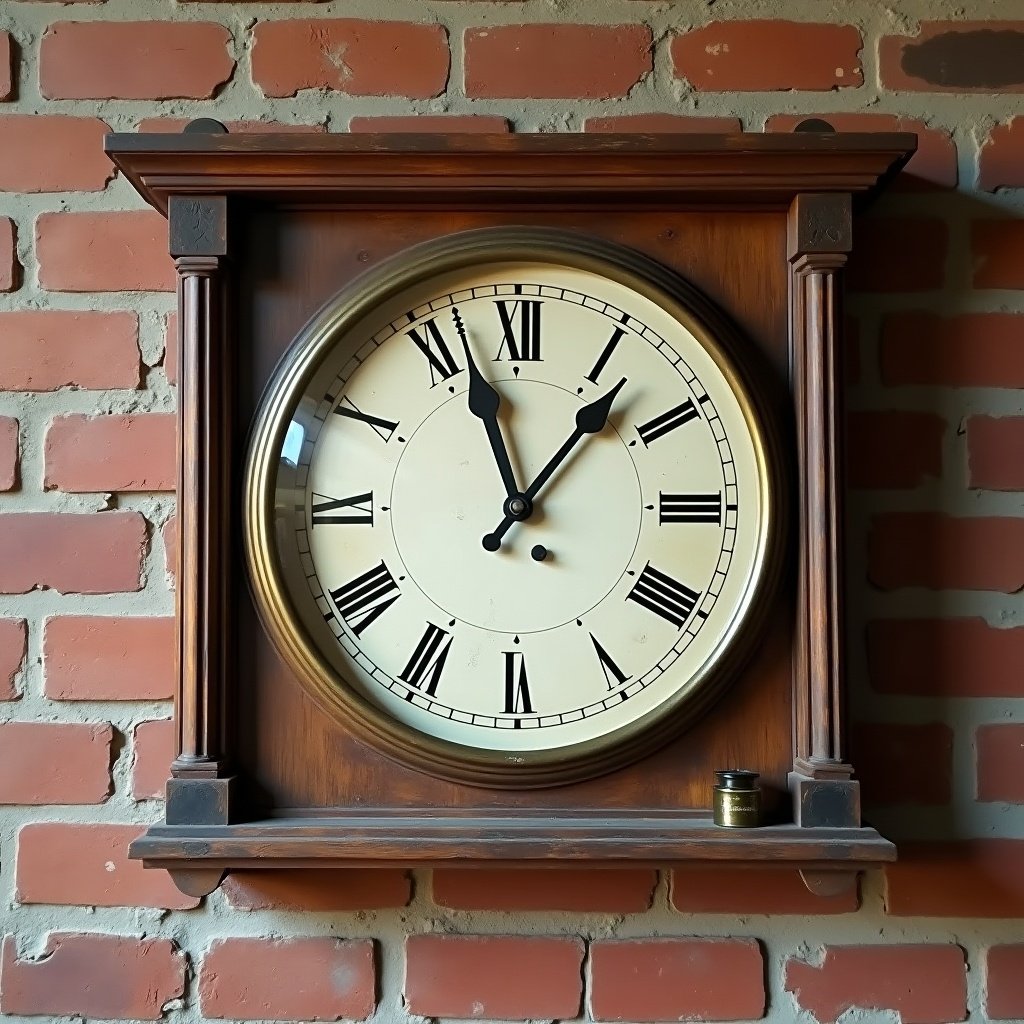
341	701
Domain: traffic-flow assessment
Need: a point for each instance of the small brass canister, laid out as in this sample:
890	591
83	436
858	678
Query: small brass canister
737	799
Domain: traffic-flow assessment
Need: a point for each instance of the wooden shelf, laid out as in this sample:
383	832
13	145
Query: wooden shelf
391	839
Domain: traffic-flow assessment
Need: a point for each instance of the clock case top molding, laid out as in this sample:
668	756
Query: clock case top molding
263	230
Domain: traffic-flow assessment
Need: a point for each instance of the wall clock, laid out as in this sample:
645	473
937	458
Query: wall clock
489	560
512	508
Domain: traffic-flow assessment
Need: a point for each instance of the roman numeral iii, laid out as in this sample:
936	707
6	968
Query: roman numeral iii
362	601
667	421
430	341
520	325
427	661
690	508
328	511
517	688
660	593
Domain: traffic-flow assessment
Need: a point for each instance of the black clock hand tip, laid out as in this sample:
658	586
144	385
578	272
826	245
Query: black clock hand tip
592	418
484	400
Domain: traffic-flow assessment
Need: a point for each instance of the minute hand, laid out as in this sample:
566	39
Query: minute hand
591	419
484	403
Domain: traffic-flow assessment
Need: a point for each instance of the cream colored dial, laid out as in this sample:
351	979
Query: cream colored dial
612	599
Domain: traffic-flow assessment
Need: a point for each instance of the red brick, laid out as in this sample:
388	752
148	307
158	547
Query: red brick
945	658
556	61
155	746
972	350
88	865
111	453
998	250
927	549
134	60
169	535
1001	763
700	889
328	890
924	984
677	979
897	450
98	657
475	124
359	58
932	166
995	452
8	77
53	154
171	348
10	269
1004	972
8	453
13	638
768	56
974	878
955	56
577	889
49	349
288	979
104	252
99	553
173	125
662	123
94	977
1001	160
899	254
43	763
515	977
904	764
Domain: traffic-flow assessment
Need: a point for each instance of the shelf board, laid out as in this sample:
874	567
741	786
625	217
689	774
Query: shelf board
429	837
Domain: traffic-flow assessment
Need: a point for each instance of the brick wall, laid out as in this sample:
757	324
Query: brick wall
936	539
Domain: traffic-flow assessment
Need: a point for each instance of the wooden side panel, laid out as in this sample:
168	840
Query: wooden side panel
290	754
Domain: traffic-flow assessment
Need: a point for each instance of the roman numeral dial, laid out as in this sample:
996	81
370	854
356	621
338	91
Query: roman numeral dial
521	379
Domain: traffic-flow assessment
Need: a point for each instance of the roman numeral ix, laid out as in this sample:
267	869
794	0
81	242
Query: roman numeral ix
327	511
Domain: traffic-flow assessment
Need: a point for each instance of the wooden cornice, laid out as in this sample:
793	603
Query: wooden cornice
466	172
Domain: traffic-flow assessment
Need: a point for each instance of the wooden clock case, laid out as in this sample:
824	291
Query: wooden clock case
264	229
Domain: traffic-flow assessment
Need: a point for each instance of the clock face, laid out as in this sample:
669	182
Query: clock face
516	508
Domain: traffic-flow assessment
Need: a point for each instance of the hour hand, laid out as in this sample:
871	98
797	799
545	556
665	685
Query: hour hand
484	402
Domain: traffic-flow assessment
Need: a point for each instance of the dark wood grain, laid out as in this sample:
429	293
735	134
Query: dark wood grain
626	172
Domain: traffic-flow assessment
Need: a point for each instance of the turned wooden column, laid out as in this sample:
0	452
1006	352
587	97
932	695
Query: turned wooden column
820	238
198	243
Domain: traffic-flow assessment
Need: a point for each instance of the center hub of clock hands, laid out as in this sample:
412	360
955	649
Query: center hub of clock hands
591	419
484	402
